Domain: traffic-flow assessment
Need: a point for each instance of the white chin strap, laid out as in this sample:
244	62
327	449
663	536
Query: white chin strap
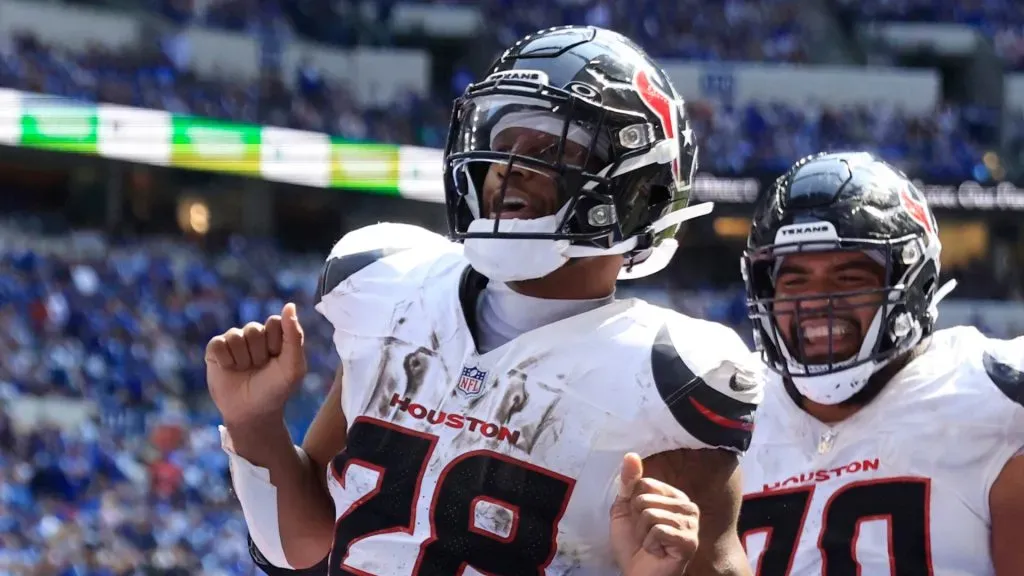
841	385
940	295
514	259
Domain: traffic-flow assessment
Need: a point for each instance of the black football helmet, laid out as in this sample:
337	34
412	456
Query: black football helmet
844	202
622	152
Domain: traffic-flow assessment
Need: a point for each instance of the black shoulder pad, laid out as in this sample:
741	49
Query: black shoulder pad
1008	379
271	570
337	270
709	415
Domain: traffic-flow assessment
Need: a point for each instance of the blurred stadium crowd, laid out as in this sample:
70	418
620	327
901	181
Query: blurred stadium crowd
141	486
725	30
945	144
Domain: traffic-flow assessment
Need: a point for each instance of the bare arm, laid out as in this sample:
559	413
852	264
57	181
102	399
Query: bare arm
711	478
305	510
1006	502
327	434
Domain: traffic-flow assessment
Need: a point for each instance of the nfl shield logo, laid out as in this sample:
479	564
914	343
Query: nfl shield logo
471	381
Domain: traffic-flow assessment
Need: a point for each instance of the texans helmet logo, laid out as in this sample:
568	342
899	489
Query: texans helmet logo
917	210
665	108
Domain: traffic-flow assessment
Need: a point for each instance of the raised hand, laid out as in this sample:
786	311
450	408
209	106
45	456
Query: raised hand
252	371
653	525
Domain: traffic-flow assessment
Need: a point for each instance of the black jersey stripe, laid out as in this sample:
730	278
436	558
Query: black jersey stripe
710	416
337	270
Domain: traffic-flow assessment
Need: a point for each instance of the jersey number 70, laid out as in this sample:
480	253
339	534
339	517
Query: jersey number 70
536	497
902	502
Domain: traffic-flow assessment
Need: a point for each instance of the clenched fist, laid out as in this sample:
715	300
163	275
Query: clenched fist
252	371
653	525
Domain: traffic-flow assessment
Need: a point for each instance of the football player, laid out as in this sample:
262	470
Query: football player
492	390
883	446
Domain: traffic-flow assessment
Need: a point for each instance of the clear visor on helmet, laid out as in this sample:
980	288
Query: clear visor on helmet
527	157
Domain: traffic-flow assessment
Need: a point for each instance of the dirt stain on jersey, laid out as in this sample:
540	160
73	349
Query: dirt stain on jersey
403	356
384	385
533	432
515	398
569	557
529	363
414	368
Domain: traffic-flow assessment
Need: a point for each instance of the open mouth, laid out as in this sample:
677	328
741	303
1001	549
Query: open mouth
822	338
515	205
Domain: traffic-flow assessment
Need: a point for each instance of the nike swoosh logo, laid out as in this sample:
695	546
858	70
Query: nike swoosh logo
737	386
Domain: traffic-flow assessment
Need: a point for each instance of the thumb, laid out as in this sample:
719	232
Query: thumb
293	334
292	337
632	472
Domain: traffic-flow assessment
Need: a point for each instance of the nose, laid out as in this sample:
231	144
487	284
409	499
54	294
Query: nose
813	306
504	171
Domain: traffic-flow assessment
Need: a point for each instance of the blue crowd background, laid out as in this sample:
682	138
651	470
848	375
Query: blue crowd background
109	459
944	144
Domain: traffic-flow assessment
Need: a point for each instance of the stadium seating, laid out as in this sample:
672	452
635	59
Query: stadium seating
125	326
765	137
141	487
733	30
1001	20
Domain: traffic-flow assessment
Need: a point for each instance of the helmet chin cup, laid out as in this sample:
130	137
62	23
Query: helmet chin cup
835	387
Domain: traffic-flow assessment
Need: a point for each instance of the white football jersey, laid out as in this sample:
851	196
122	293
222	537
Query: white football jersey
504	462
902	487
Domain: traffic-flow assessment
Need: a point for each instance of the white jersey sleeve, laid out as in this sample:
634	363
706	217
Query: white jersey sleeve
370	275
1004	364
709	383
365	246
372	267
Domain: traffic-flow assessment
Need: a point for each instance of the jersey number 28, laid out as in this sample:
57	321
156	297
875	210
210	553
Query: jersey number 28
536	497
902	502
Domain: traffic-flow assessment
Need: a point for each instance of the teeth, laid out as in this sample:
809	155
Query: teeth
514	203
815	332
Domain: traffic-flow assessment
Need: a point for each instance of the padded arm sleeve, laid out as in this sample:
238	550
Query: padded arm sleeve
361	248
1003	361
1004	364
706	377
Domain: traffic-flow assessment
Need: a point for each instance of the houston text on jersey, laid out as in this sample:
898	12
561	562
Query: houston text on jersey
442	418
825	475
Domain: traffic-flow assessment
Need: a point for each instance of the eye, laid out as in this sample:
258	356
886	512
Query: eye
548	154
790	281
857	279
502	144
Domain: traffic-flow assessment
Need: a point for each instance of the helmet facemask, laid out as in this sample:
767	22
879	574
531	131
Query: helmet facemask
562	141
593	170
821	370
